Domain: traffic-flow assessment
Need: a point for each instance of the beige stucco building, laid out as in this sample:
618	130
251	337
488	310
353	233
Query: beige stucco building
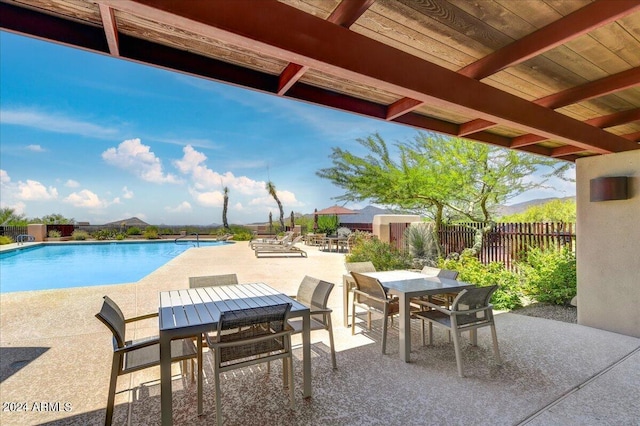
608	246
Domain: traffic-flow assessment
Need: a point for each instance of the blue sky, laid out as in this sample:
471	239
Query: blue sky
100	139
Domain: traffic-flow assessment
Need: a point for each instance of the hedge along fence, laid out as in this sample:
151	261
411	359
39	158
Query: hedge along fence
503	243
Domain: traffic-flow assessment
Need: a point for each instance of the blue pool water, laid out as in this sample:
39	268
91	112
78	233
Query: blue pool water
77	265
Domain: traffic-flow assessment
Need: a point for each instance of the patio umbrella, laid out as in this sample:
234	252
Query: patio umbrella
270	222
315	220
292	220
334	211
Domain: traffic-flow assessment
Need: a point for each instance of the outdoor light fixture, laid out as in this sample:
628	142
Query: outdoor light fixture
609	188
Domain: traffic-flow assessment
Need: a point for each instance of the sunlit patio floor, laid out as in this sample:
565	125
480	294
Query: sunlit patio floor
55	359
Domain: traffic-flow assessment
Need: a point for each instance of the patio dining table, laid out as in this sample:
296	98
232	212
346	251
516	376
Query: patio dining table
191	312
408	284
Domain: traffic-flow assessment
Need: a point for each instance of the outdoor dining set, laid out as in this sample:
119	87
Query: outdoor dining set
244	324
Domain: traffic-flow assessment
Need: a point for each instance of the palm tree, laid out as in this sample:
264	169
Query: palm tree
271	188
225	206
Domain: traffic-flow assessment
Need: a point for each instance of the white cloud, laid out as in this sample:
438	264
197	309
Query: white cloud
53	123
287	198
4	177
180	208
86	199
126	193
35	191
72	184
133	156
208	198
192	163
35	148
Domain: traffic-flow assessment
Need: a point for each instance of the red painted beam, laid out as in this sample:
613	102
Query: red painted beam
348	12
563	151
30	23
635	136
290	76
474	126
402	106
525	140
604	86
110	28
580	22
615	119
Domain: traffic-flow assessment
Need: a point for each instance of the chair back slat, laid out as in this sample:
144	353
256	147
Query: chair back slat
370	286
473	298
360	267
271	317
448	274
213	280
314	292
111	316
430	271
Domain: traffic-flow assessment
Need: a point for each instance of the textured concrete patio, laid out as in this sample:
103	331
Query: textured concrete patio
55	359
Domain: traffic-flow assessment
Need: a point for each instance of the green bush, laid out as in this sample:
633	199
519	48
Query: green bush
550	275
151	233
105	234
54	233
508	295
5	240
80	235
383	256
134	230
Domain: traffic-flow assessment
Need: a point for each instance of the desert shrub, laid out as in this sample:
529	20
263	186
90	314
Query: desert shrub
383	256
54	233
5	240
550	275
509	292
151	233
240	233
79	235
105	234
134	230
421	244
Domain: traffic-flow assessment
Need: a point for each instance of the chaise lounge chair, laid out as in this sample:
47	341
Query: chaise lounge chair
274	241
287	248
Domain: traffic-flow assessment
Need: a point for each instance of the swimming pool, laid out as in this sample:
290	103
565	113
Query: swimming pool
52	266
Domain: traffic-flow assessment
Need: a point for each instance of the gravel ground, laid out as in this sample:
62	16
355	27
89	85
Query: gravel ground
552	312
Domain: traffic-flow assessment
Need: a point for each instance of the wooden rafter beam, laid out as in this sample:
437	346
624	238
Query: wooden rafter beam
580	22
348	12
613	83
402	106
563	151
110	29
635	136
290	76
474	126
46	27
615	119
345	54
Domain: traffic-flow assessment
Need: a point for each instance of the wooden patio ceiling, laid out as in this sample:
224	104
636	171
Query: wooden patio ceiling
560	78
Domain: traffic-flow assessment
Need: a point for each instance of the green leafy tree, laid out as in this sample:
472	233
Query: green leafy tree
444	178
271	189
225	207
56	219
553	211
9	217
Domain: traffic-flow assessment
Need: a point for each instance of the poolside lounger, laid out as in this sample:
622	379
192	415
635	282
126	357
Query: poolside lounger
282	249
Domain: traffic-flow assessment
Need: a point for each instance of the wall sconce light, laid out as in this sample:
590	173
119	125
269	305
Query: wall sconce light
609	188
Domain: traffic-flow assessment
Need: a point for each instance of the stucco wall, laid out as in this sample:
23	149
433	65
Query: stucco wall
608	247
380	225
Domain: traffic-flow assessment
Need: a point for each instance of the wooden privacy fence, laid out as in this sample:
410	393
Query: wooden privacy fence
503	243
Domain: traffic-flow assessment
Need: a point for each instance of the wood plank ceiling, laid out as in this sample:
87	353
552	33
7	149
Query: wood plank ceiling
559	78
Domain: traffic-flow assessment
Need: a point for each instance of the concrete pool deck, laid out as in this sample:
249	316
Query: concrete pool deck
55	359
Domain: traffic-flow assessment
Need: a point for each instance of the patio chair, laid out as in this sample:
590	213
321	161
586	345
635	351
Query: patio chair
314	293
470	310
443	299
288	247
251	336
349	283
369	294
213	280
130	356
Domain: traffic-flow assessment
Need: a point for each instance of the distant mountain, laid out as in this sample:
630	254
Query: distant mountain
520	207
364	215
132	221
